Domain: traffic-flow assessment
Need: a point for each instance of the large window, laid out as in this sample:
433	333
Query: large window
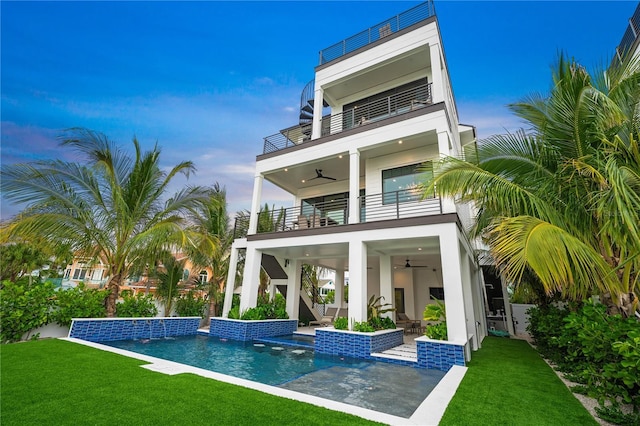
400	185
332	206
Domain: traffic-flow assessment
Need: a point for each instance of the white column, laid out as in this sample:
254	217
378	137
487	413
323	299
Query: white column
357	281
231	281
318	101
386	284
468	298
452	283
339	289
293	270
354	186
250	279
437	78
507	308
255	204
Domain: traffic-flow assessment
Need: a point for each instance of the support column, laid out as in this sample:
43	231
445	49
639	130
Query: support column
318	101
293	271
354	186
255	204
507	308
437	78
250	279
339	289
231	281
386	285
452	283
357	281
468	298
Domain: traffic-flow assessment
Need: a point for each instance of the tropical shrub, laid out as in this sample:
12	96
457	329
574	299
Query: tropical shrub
364	327
375	309
190	305
79	302
598	350
341	323
136	306
24	307
267	309
435	312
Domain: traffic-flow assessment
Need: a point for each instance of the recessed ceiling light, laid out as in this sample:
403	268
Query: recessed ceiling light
306	254
400	141
339	156
419	248
286	170
303	181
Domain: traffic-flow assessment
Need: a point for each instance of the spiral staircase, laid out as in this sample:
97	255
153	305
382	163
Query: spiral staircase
307	106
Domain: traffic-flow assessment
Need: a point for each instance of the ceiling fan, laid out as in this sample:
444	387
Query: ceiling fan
319	175
409	265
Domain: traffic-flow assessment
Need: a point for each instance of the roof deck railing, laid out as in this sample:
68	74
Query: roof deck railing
383	29
630	35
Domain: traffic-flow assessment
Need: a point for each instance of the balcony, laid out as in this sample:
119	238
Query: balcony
333	214
378	32
400	103
386	107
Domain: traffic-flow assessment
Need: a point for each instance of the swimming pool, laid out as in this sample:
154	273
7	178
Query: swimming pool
387	388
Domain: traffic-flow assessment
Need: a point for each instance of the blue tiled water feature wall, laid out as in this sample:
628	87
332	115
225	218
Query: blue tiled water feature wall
354	344
250	330
108	329
439	355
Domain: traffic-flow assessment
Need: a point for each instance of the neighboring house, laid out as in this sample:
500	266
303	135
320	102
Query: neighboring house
380	110
94	274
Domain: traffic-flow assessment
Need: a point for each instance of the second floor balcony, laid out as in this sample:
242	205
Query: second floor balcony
331	215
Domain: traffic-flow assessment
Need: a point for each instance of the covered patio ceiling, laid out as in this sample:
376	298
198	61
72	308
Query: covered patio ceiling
421	251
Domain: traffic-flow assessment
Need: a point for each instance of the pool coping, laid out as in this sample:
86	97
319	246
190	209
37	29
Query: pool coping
429	412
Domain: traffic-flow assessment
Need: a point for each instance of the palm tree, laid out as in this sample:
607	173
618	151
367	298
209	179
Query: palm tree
109	204
211	223
169	274
562	202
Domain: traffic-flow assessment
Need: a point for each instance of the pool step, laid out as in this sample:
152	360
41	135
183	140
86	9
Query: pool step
403	352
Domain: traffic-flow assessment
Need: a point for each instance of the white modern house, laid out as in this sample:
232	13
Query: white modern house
379	111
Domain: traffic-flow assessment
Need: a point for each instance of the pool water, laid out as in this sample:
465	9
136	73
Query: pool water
389	388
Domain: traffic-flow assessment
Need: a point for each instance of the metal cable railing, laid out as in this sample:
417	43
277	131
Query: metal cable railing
286	138
396	104
378	31
397	205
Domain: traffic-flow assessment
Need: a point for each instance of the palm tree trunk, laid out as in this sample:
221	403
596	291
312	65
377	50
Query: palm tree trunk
112	298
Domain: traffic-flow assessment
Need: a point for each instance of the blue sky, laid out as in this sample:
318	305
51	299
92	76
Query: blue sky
208	81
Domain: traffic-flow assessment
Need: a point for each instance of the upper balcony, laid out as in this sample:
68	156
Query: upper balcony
358	116
378	32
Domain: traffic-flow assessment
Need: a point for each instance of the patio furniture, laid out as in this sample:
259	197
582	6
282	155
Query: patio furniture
409	325
327	319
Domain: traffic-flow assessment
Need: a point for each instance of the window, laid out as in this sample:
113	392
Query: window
437	292
401	184
204	277
332	206
79	274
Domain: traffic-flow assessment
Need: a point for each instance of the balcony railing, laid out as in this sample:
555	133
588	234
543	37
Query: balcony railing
399	103
362	115
630	35
388	206
397	205
379	31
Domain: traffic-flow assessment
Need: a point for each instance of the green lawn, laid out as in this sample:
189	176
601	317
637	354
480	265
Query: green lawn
53	382
508	383
57	382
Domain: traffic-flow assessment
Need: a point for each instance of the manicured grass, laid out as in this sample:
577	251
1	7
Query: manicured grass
53	382
508	383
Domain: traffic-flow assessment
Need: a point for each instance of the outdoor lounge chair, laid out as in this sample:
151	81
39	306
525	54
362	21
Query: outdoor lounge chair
407	323
327	319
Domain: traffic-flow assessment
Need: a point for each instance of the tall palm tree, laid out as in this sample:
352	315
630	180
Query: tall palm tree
109	204
562	201
210	224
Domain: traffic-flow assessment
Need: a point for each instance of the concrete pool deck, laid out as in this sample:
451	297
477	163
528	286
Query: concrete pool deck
429	412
